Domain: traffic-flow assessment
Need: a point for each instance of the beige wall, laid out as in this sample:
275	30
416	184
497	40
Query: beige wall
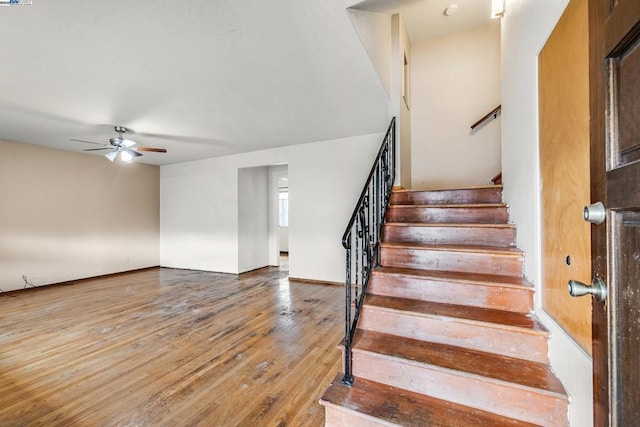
456	81
66	216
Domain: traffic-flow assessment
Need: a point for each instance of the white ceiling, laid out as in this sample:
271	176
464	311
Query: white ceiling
425	19
201	78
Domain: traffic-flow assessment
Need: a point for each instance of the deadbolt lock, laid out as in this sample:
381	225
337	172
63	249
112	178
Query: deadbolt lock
595	213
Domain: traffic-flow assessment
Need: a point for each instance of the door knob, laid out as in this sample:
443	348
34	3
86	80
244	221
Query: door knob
598	289
595	213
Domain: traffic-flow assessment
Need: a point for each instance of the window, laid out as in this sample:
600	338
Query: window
283	207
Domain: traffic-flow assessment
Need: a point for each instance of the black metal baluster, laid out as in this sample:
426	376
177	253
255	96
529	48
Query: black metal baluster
361	221
364	232
348	378
358	272
378	217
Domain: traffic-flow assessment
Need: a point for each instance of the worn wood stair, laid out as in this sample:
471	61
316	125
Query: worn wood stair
446	336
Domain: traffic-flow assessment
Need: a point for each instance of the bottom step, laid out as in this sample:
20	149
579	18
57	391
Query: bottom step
369	403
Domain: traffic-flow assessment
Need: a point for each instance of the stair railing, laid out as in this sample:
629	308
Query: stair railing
493	114
361	238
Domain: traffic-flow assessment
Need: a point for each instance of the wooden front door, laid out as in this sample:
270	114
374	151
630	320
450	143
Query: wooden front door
615	180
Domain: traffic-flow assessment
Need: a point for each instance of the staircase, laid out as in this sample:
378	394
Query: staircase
446	336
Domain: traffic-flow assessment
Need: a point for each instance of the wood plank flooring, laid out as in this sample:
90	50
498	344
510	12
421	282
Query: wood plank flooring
165	347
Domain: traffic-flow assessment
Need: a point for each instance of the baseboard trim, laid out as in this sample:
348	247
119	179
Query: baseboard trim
257	268
83	279
120	273
315	282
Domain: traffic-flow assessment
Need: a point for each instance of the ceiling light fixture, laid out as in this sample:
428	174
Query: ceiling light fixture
118	145
125	156
451	10
497	8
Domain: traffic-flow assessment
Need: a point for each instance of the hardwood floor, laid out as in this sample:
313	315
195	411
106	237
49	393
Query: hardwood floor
166	347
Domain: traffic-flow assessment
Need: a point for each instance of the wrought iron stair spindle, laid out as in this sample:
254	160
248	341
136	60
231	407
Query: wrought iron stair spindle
363	232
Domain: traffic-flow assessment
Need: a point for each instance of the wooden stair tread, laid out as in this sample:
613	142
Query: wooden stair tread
455	196
523	373
417	190
484	279
450	233
447	224
447	212
449	206
397	406
494	250
520	322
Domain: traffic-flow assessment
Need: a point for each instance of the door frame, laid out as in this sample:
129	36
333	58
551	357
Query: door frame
599	328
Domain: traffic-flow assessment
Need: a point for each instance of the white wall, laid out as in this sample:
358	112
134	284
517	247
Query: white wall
284	239
525	28
253	218
386	41
199	206
67	216
456	81
374	30
399	107
199	216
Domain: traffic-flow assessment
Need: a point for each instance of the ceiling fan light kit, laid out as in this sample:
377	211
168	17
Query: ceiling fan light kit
112	155
124	147
126	157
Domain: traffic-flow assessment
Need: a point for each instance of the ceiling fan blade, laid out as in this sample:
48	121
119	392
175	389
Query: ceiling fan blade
98	149
134	153
152	149
82	140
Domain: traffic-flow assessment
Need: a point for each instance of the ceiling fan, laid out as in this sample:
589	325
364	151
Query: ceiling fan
118	145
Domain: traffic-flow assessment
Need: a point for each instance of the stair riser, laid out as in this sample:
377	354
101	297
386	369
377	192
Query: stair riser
448	215
526	404
342	417
518	300
446	330
450	235
468	262
470	196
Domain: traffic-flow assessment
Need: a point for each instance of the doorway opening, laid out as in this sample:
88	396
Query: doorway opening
279	214
283	215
